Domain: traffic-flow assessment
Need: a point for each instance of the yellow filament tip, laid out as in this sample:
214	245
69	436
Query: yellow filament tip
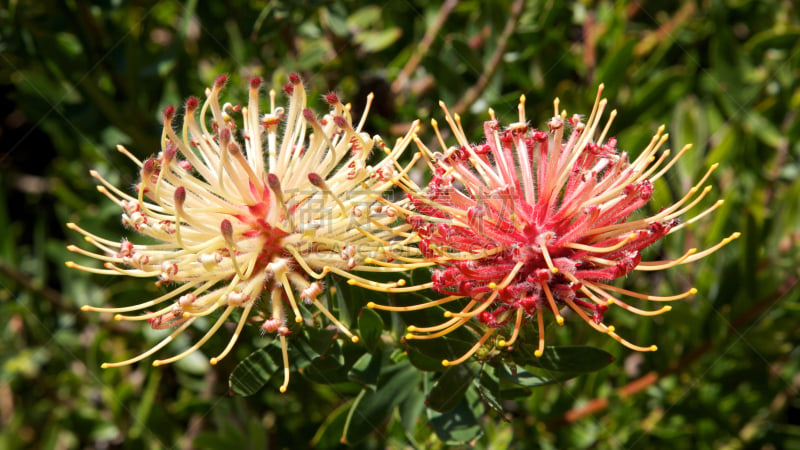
371	305
411	328
156	363
282	389
610	329
445	362
118	317
351	282
560	320
86	308
409	336
538	353
298	319
213	361
354	339
104	366
448	314
692	291
492	285
653	348
502	343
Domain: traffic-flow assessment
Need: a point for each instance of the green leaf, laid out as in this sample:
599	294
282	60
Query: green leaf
575	359
421	361
533	378
619	57
372	407
254	372
450	388
364	17
329	434
366	370
370	327
320	339
778	37
327	369
375	41
411	410
344	298
459	426
450	346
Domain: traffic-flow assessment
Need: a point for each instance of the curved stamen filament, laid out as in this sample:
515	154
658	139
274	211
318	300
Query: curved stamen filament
601	287
515	333
552	302
628	344
471	351
694	219
430	304
199	343
635	310
711	250
333	319
235	336
666	264
590	248
287	288
443	328
285	354
540	324
155	348
148	304
467	314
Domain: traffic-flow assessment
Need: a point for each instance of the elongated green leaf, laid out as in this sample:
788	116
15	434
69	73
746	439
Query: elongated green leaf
329	434
320	339
327	369
411	410
575	359
366	370
370	327
449	389
371	408
421	361
459	426
254	372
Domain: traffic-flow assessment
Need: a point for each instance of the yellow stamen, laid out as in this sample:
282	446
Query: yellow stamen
552	302
235	336
285	353
471	351
666	264
515	333
589	248
198	344
600	287
430	304
540	322
333	319
155	348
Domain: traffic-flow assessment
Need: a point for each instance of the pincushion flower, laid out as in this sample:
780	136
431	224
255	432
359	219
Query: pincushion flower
531	222
249	212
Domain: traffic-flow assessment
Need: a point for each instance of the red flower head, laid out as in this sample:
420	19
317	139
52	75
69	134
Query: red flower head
531	222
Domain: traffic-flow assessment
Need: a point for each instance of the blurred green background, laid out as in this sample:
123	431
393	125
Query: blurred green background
78	78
